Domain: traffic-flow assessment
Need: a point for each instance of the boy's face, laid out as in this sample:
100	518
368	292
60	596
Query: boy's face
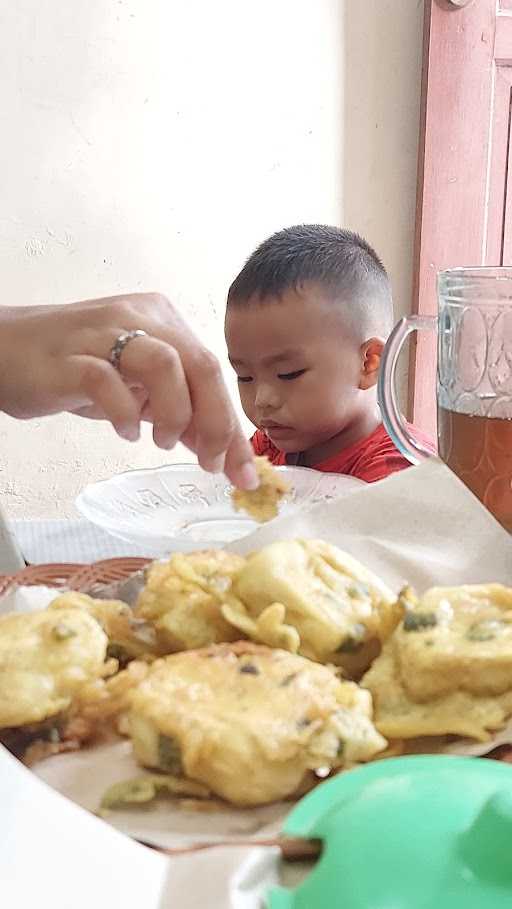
299	367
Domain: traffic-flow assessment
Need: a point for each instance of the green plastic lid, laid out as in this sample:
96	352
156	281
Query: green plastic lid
408	833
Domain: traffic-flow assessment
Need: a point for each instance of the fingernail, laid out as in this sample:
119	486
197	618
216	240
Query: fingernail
214	465
130	433
247	477
165	441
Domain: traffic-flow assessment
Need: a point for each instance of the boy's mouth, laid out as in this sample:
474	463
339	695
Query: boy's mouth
276	430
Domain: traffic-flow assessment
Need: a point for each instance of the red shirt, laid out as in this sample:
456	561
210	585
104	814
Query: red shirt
370	459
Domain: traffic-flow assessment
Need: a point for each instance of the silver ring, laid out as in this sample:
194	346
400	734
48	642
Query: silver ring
114	356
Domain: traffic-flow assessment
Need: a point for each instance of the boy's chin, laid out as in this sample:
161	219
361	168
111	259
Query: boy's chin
289	445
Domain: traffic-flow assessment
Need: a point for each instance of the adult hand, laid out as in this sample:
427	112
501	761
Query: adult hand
56	358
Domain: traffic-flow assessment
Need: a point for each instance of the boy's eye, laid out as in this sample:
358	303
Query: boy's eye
289	376
244	378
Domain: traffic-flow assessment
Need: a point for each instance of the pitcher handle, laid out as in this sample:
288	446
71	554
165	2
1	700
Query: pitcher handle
413	450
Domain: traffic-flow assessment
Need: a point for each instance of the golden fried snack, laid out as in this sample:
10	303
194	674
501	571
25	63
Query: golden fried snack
398	716
183	598
129	637
448	667
248	722
45	658
106	700
96	711
309	597
262	503
457	638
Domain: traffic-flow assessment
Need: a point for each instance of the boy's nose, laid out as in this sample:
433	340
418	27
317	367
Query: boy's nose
266	397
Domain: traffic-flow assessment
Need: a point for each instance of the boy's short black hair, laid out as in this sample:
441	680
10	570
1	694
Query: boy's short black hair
339	260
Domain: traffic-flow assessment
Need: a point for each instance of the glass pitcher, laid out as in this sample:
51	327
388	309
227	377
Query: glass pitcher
474	383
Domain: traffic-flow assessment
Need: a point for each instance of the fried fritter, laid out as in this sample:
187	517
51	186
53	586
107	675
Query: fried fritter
398	716
45	658
448	667
457	638
309	597
262	503
248	722
183	598
129	637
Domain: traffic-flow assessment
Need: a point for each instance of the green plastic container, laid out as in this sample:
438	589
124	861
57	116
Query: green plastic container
408	833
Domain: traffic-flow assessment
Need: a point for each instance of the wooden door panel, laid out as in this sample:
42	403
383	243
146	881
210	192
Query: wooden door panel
464	166
502	131
507	209
493	253
503	42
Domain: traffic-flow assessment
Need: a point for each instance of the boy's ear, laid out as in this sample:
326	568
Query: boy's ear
371	353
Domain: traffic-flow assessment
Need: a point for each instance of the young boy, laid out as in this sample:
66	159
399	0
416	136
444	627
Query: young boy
306	323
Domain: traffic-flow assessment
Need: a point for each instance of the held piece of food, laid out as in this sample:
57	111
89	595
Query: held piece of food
308	596
129	637
46	657
262	503
183	598
448	667
250	723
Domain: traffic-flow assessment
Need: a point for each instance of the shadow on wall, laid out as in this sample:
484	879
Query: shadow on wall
382	84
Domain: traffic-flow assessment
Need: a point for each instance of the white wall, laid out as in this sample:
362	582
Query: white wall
150	144
382	82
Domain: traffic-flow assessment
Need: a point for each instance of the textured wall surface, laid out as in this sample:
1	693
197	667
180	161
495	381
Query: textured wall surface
150	145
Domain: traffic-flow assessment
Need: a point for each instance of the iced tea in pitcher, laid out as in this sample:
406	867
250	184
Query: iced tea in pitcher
474	383
479	450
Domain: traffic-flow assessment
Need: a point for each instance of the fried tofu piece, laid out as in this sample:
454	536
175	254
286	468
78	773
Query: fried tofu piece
398	716
262	503
309	597
457	639
129	637
183	598
45	659
249	723
448	667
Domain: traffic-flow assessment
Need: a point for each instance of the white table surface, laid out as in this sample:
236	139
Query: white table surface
75	540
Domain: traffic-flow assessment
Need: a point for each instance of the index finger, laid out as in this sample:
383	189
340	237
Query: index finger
239	465
218	432
215	434
218	439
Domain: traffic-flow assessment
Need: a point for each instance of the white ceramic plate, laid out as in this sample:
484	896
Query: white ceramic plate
181	506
